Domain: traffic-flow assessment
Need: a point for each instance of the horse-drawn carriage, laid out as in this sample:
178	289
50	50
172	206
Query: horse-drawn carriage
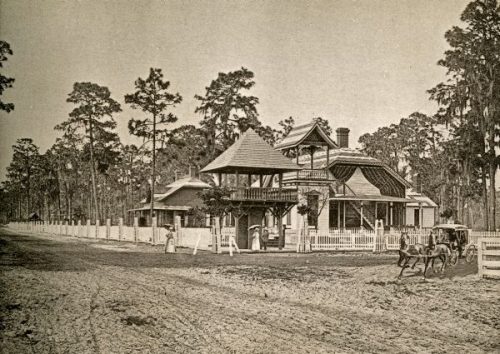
457	238
447	242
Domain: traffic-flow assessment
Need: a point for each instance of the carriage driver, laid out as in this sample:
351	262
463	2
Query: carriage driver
431	242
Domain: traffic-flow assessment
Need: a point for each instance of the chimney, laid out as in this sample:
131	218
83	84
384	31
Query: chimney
193	171
343	137
176	175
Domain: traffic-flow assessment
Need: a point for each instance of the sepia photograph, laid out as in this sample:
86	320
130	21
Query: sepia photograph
249	176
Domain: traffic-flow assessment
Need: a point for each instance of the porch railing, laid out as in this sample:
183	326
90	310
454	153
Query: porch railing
264	194
306	174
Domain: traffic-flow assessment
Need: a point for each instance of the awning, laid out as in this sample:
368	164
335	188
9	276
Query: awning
372	198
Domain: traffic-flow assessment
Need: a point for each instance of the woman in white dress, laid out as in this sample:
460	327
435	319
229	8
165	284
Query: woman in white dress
256	240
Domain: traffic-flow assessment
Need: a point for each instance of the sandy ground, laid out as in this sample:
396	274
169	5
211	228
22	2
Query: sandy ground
67	295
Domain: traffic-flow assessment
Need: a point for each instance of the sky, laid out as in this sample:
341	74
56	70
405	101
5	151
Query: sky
361	64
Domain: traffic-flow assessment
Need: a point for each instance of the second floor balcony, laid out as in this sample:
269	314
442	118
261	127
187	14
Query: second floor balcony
307	175
264	194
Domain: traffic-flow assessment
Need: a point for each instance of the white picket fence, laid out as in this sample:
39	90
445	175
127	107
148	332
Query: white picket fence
184	237
358	239
342	240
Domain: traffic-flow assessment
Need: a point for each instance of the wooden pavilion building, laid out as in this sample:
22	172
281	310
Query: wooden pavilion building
347	188
247	167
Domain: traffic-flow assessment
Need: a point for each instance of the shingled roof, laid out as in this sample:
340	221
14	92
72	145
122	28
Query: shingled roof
350	157
307	134
251	154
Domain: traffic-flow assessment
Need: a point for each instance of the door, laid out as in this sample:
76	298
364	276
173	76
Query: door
242	232
416	217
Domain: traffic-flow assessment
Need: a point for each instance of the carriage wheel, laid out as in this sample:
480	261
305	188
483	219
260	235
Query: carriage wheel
470	254
454	257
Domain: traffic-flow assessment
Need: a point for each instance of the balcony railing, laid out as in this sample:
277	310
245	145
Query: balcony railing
306	174
264	194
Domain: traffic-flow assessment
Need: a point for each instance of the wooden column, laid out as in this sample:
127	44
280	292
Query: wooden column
361	215
338	214
297	160
391	214
280	183
420	216
249	180
219	175
261	182
327	157
343	223
376	213
312	158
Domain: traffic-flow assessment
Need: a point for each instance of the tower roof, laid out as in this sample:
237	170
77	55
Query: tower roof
251	154
307	134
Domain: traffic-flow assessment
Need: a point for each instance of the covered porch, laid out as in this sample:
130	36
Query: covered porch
363	211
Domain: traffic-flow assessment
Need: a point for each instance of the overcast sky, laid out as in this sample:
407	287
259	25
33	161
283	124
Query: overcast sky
359	64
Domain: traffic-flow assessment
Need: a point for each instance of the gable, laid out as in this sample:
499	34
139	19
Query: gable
314	137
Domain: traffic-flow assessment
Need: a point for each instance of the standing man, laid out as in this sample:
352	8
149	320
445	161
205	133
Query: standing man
265	238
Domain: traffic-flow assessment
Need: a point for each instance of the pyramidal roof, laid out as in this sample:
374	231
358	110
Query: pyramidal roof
251	154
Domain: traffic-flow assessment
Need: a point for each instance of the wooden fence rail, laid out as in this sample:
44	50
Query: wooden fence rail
488	258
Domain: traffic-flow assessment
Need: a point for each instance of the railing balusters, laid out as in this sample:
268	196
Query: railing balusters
263	194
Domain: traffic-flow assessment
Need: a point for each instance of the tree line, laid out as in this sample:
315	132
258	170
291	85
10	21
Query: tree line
88	173
452	155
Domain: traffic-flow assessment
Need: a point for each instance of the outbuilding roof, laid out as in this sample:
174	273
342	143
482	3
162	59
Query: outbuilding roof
310	133
251	154
420	198
191	182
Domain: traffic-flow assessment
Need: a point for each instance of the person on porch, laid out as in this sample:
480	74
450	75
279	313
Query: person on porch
255	239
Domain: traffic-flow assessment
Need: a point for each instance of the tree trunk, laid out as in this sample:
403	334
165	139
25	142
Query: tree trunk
92	170
485	198
153	171
493	171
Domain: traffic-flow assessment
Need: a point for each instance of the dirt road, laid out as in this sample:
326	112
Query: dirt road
66	295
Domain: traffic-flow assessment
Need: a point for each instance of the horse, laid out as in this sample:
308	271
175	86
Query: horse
407	252
430	253
440	251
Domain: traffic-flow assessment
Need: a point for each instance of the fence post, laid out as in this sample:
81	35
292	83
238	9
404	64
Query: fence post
214	239
73	229
217	236
353	240
120	229
88	228
108	228
136	228
78	228
154	226
178	231
480	257
97	224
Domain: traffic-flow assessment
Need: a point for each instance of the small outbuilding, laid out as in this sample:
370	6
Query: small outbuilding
178	198
422	211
